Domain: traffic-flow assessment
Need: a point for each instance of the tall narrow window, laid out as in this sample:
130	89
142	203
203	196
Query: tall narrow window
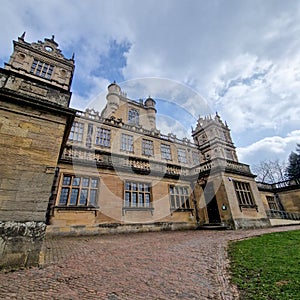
165	151
41	69
179	197
147	147
78	191
89	135
133	117
76	133
272	203
137	194
181	155
228	154
244	194
102	137
126	142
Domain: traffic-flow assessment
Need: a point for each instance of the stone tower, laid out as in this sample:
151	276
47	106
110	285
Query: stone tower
35	120
214	139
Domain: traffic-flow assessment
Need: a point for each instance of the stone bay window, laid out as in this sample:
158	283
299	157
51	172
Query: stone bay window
78	191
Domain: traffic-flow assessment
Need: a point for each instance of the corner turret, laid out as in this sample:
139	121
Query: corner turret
42	61
151	111
214	139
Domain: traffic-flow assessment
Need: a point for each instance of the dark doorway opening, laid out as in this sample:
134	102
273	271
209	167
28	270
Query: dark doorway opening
211	204
213	211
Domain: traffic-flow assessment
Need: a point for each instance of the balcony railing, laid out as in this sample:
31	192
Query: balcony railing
279	214
224	164
137	165
278	185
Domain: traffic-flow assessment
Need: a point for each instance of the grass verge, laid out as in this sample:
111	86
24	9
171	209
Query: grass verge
267	267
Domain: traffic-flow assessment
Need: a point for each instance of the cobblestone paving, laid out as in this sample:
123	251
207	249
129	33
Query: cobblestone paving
157	265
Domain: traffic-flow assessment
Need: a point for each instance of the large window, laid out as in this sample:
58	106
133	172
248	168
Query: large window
272	203
76	132
133	117
147	147
244	194
78	191
102	137
41	69
181	155
127	142
179	197
137	194
89	136
165	151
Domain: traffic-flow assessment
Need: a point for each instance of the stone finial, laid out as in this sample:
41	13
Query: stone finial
23	35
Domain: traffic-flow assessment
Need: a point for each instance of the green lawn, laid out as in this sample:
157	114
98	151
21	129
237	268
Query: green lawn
267	267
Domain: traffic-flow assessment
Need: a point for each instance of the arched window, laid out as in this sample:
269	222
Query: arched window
133	117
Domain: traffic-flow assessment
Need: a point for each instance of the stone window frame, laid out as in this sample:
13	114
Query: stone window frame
179	197
181	154
103	136
228	154
133	116
78	191
147	147
127	143
137	194
244	194
273	205
41	69
76	133
165	151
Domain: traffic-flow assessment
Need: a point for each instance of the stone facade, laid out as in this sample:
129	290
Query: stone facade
189	183
34	124
112	171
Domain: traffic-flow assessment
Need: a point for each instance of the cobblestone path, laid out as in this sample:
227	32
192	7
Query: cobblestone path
155	265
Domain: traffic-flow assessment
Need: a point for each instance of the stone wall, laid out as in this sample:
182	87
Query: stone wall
32	132
290	199
95	229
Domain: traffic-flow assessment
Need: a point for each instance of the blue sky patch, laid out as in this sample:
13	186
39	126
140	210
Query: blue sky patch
112	62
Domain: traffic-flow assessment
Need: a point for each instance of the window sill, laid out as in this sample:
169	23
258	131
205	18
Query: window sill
251	206
77	208
127	151
181	209
125	209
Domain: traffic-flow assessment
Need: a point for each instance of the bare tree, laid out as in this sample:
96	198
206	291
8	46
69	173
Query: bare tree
270	171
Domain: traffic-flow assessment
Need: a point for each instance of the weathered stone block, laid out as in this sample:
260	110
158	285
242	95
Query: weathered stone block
20	243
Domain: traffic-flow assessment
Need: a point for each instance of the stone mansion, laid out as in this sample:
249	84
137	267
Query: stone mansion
65	171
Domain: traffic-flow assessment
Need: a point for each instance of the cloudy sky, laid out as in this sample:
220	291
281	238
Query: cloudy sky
240	58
